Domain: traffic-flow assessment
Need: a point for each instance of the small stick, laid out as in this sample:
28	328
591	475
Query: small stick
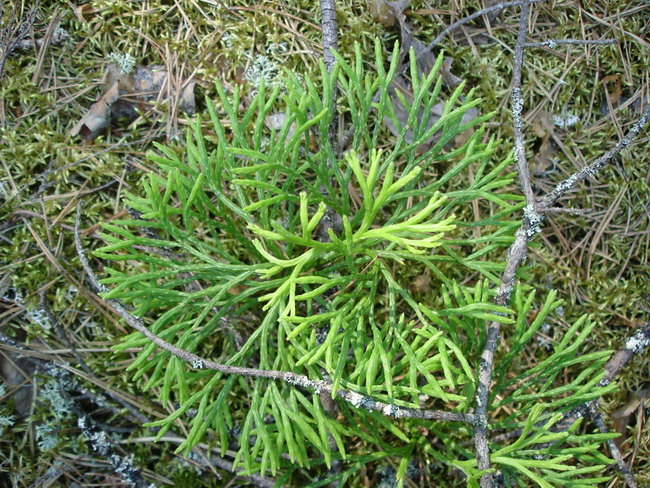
517	254
552	43
613	449
494	8
330	35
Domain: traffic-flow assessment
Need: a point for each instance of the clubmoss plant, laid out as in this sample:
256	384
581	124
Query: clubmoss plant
229	267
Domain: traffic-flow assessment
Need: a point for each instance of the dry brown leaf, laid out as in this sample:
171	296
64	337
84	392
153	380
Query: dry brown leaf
84	11
448	78
543	125
617	91
98	116
463	137
623	415
126	94
387	13
545	156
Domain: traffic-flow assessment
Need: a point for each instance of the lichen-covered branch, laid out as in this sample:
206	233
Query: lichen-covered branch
553	43
330	34
534	214
123	466
516	255
590	170
517	107
597	418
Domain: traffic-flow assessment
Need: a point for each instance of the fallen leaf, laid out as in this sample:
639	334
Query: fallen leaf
84	11
448	78
617	91
622	417
387	13
545	156
124	95
98	116
543	124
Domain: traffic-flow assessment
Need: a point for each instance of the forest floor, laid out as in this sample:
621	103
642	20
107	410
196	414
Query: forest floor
60	143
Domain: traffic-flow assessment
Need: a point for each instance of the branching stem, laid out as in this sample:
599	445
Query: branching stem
494	8
197	362
533	217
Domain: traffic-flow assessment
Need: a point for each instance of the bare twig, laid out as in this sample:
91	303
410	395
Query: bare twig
613	449
327	223
197	362
633	346
494	8
330	43
516	255
330	34
553	43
